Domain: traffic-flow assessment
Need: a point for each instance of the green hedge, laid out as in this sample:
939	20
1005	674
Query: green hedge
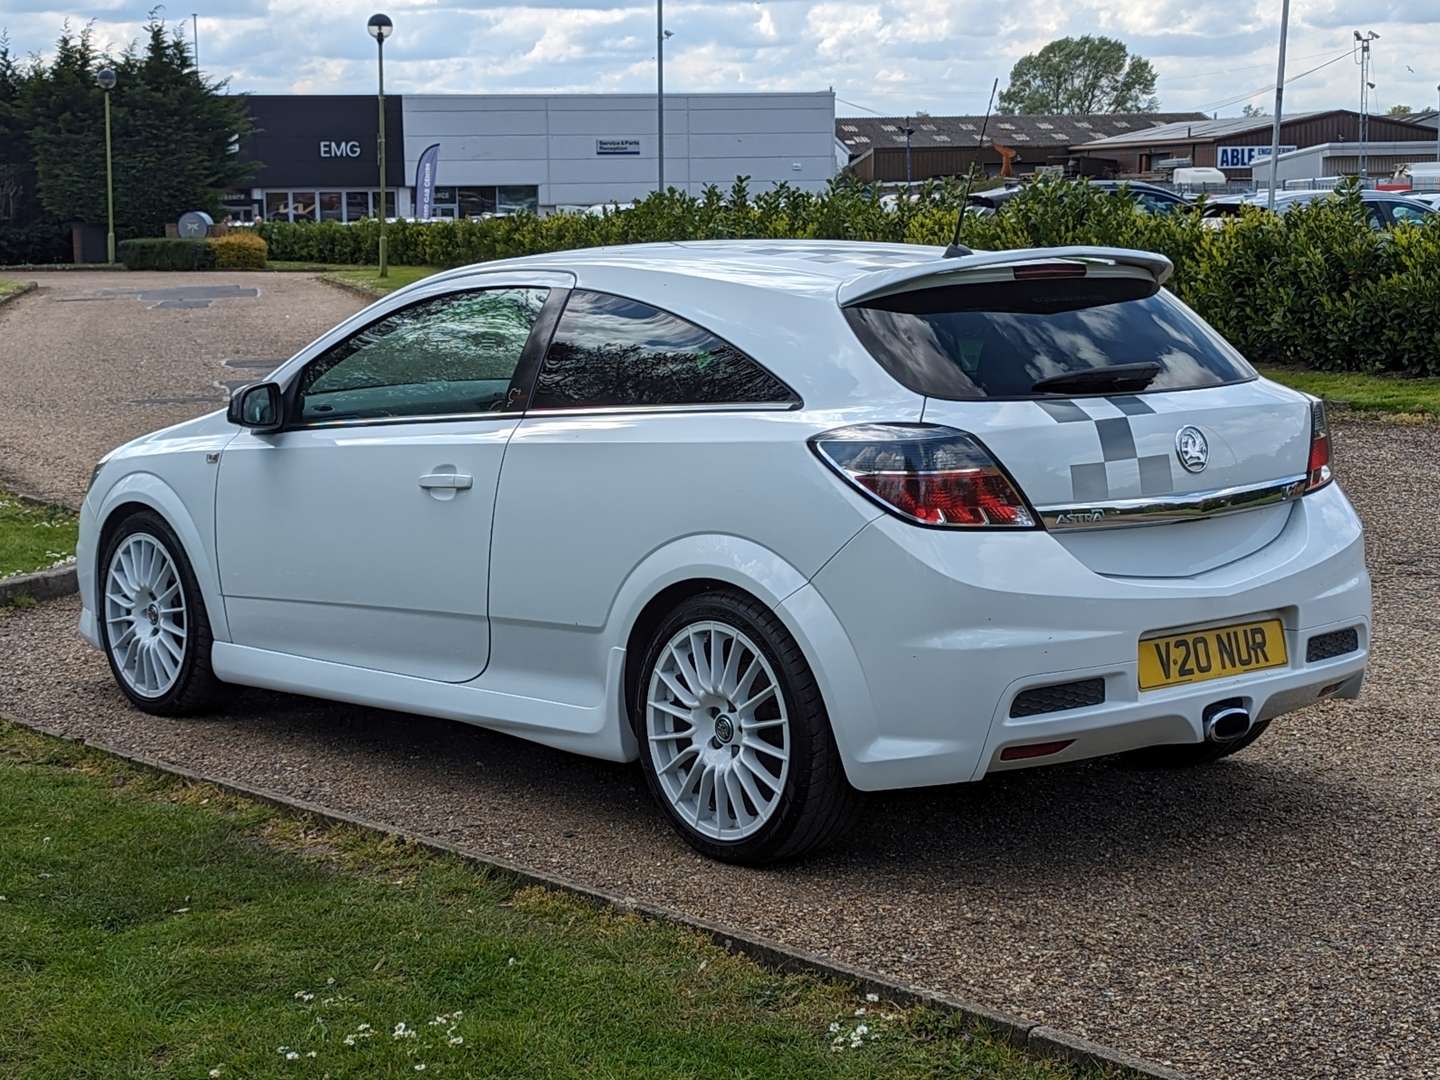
166	254
1315	287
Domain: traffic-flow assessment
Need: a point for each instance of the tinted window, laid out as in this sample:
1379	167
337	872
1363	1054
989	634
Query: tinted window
998	339
452	354
608	350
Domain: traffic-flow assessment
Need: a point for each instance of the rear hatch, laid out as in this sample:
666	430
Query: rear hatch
1146	443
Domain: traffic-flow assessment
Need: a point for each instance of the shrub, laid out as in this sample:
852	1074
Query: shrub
239	250
166	254
1316	286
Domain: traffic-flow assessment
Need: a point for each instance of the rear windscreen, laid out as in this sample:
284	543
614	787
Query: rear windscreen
998	339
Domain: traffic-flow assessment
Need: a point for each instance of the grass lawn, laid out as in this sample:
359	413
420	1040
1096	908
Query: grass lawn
363	276
9	285
1366	393
34	537
151	928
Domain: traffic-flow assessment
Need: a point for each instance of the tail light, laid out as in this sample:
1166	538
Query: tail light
1318	470
927	474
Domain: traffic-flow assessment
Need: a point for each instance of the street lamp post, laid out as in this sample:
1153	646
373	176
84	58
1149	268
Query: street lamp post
380	27
105	77
909	132
660	37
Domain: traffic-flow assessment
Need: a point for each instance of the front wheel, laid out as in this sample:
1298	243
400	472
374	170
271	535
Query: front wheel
735	741
153	623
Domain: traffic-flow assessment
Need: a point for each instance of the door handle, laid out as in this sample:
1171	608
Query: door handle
450	480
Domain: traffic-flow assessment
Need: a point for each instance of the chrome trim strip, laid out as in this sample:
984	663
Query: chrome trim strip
517	414
1168	510
632	410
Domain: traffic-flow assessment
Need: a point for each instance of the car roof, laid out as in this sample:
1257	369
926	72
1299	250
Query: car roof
798	266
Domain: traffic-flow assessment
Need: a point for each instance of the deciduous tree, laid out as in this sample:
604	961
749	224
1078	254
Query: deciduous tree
1081	75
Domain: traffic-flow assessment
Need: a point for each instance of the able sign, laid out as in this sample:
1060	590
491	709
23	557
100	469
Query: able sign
1244	157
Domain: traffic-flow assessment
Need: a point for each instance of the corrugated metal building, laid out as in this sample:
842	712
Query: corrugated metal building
1223	143
950	145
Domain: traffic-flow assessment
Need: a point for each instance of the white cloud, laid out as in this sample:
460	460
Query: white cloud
893	56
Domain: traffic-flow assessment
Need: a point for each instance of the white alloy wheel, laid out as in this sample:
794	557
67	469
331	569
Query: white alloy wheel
145	617
718	730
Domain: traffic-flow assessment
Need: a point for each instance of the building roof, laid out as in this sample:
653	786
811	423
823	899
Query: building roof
862	133
1202	130
1425	117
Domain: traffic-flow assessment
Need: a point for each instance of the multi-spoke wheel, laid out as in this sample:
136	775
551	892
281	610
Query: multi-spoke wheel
736	744
156	633
145	615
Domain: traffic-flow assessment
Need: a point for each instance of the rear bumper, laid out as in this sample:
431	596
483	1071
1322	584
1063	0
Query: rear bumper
946	629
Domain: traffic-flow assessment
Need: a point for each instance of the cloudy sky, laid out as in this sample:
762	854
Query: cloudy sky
888	56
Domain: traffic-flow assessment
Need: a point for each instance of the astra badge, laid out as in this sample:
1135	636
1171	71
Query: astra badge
1192	449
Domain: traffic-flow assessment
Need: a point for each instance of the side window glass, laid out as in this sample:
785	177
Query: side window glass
610	351
1401	213
450	354
1375	216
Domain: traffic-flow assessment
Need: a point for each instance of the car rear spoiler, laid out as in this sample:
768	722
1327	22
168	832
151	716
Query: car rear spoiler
938	272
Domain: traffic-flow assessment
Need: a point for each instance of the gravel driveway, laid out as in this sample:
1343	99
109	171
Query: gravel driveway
1272	916
1277	915
94	358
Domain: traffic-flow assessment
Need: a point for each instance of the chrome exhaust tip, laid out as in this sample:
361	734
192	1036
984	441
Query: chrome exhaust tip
1226	721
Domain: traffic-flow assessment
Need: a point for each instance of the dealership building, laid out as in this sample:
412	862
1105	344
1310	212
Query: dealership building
317	155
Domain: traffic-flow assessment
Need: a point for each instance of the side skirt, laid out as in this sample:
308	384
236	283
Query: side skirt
592	730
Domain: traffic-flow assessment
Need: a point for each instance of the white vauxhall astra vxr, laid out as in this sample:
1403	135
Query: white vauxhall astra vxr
784	520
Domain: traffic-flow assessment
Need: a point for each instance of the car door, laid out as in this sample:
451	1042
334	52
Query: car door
359	533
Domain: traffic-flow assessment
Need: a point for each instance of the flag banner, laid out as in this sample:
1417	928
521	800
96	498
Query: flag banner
425	183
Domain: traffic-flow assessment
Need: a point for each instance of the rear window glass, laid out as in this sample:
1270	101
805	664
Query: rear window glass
998	339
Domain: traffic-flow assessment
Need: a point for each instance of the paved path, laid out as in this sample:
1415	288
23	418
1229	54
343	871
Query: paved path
94	358
1272	916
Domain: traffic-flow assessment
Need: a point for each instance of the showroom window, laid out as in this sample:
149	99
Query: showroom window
453	354
470	202
611	351
328	206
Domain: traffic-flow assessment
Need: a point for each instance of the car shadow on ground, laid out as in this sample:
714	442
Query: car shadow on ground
1098	816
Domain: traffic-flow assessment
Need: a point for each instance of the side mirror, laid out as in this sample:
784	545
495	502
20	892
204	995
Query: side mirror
259	406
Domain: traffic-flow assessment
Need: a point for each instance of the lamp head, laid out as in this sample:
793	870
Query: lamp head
380	26
105	77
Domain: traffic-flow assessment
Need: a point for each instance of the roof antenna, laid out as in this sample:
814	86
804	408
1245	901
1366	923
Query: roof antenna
957	249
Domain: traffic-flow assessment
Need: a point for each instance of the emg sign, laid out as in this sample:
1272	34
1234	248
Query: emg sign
1244	157
347	149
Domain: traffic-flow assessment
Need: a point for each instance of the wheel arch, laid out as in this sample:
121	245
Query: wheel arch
146	491
696	565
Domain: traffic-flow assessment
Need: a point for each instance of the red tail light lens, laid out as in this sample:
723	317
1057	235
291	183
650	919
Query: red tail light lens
1319	467
927	474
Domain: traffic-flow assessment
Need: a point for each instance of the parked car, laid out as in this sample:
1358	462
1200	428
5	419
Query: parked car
786	521
1149	197
1383	209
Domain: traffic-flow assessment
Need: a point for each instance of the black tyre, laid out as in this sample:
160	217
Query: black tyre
734	738
153	624
1186	755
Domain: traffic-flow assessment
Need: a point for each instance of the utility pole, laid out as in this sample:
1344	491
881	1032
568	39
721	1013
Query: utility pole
1279	103
660	95
195	37
1364	40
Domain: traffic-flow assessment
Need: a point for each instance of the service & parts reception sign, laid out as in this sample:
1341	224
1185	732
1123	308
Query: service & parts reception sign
617	147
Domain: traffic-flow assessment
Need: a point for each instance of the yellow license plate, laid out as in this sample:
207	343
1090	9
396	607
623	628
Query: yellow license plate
1211	654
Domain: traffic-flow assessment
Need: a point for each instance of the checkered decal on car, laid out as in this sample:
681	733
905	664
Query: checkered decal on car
1120	472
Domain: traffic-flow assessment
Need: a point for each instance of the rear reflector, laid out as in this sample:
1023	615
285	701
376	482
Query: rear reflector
1318	469
927	474
1034	750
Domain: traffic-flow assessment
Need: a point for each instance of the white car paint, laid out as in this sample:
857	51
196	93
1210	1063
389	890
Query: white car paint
511	605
